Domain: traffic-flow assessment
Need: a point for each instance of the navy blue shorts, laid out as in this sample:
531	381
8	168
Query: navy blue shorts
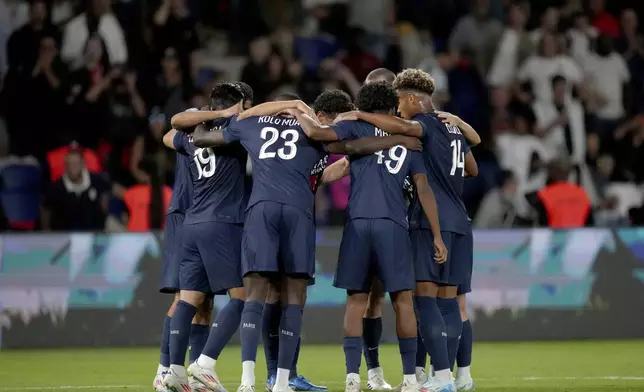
171	253
374	248
466	286
211	261
278	238
452	272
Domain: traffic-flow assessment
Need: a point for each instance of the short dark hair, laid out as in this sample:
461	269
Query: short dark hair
381	74
333	102
415	80
377	97
557	79
287	96
76	151
225	95
247	90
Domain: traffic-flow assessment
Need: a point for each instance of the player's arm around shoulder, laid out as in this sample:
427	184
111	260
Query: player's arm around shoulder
391	124
274	108
193	117
471	136
372	144
168	139
314	130
203	138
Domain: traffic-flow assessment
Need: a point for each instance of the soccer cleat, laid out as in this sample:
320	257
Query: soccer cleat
277	389
409	387
377	381
157	384
434	385
174	383
464	384
246	388
197	386
352	385
302	384
422	377
207	377
270	382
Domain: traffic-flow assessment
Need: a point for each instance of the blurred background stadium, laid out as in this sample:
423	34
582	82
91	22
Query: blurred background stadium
541	81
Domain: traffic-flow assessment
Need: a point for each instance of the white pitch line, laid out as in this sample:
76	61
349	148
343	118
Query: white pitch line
336	382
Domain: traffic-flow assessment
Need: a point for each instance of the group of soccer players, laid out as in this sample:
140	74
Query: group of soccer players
256	242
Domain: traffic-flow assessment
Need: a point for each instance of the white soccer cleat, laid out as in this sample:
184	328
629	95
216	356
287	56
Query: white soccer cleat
197	386
157	384
352	384
175	383
377	381
278	389
246	388
434	385
464	384
409	387
422	377
207	377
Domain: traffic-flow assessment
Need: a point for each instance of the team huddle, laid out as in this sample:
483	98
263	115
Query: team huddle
256	242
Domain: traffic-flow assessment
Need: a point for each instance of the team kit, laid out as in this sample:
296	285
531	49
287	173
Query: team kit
407	233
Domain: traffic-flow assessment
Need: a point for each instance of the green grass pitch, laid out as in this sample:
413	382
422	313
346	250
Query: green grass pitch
527	367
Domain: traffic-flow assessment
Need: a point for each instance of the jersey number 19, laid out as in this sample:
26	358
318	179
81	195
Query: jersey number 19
206	162
458	158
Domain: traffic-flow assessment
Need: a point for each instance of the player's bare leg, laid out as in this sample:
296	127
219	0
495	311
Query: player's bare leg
189	301
372	333
434	336
223	329
256	286
294	297
353	314
164	360
464	380
406	330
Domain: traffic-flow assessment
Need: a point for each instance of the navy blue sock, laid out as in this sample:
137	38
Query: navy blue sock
433	331
464	355
290	329
293	372
198	338
270	335
250	329
352	354
225	326
180	332
164	360
453	326
421	352
407	347
371	334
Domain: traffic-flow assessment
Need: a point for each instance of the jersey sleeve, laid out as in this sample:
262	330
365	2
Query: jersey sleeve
180	142
416	164
345	130
232	132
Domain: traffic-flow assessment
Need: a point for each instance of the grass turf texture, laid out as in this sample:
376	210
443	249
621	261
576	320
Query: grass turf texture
530	367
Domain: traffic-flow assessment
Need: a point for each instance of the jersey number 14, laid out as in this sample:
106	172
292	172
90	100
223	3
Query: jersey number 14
458	158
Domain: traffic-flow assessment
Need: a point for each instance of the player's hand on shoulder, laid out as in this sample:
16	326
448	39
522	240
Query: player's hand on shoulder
306	109
449	118
231	111
410	143
290	112
347	116
441	250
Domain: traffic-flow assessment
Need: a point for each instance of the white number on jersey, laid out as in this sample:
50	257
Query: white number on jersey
206	162
396	155
458	158
271	135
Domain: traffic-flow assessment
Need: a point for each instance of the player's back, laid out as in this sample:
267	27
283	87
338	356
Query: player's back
282	156
377	179
217	178
444	150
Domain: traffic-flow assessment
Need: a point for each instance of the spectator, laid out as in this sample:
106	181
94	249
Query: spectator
174	27
374	17
473	30
150	145
569	11
539	69
497	208
631	46
505	51
628	150
608	78
13	14
148	201
500	116
78	200
560	124
98	19
581	35
549	24
24	45
357	58
62	11
603	21
173	90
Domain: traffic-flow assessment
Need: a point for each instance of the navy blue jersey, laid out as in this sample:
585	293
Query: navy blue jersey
182	189
377	179
217	178
316	173
283	159
444	150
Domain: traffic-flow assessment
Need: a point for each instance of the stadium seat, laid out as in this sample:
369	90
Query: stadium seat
20	193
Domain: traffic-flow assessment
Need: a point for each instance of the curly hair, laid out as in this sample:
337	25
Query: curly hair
377	97
225	95
246	90
333	102
415	80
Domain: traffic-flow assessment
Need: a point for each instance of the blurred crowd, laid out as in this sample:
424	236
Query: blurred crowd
88	88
